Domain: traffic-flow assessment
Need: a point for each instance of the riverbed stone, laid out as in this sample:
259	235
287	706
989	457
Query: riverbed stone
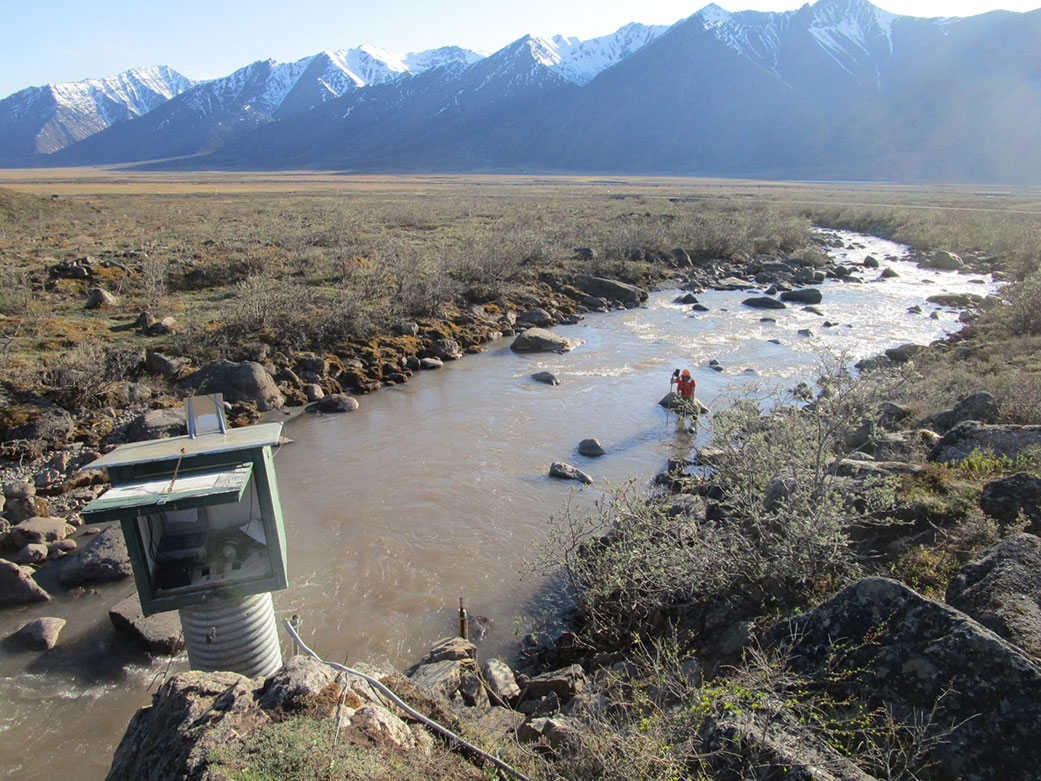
591	448
914	655
246	381
1002	590
763	302
547	377
566	471
337	402
159	633
17	586
40	634
431	363
542	340
944	260
673	402
805	295
104	559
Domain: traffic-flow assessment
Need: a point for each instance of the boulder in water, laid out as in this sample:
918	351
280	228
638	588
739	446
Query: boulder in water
568	472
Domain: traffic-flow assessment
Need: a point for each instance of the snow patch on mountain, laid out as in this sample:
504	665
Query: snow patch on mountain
581	61
418	62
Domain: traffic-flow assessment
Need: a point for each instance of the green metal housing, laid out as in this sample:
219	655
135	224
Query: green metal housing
201	515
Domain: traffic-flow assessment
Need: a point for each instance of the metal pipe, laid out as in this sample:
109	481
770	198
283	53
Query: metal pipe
236	634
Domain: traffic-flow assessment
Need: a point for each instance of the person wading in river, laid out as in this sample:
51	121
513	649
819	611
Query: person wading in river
685	385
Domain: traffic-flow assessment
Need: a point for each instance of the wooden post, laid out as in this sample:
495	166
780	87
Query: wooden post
462	619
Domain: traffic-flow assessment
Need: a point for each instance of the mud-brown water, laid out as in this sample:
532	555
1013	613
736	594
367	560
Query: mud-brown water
437	489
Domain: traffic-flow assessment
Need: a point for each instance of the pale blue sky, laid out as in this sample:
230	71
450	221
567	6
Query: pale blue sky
70	40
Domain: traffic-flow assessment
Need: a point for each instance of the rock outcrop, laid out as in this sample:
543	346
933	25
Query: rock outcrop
976	694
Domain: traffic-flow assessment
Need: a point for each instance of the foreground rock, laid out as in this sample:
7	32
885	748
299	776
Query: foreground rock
17	586
158	634
1002	590
246	381
38	635
568	472
104	559
541	340
918	657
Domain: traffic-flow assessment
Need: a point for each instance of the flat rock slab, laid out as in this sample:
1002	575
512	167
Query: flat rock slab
104	559
157	634
40	531
1000	440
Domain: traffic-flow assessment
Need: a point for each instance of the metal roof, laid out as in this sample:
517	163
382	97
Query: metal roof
245	438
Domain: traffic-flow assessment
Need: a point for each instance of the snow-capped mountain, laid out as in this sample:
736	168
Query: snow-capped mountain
839	89
42	120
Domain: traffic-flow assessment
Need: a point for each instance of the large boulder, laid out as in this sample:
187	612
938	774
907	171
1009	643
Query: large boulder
158	424
541	340
973	694
568	472
1007	497
980	406
805	295
159	633
763	302
1005	440
17	586
1002	590
609	289
298	682
903	353
590	448
104	559
246	381
190	715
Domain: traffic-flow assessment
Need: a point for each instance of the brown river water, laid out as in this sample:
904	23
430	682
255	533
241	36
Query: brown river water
438	489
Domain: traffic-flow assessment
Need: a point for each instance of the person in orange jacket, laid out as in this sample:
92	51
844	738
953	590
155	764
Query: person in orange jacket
684	383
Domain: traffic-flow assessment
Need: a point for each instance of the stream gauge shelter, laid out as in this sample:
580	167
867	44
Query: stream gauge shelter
203	526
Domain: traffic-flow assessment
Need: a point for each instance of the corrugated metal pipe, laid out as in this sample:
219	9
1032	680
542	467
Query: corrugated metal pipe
238	634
